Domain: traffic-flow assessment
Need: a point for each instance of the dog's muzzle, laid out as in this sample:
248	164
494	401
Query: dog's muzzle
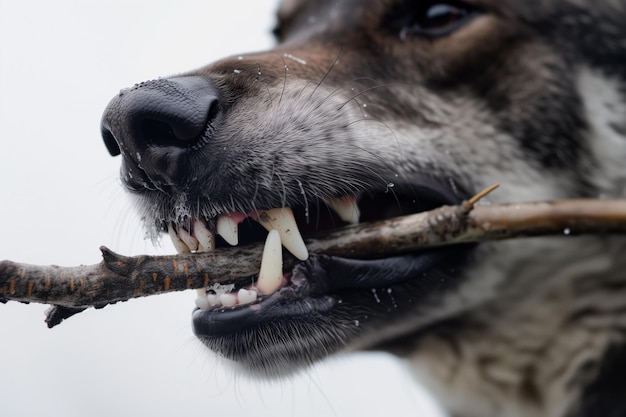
213	169
157	126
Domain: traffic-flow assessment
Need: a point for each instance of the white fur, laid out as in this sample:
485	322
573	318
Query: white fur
605	109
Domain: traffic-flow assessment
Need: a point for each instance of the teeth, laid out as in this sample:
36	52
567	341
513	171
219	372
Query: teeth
214	300
206	243
181	247
190	241
246	296
271	273
346	208
205	238
227	228
283	231
228	300
282	220
201	300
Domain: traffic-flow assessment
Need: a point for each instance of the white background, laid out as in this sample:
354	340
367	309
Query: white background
60	199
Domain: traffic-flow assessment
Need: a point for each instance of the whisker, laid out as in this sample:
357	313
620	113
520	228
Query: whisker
360	93
342	88
328	71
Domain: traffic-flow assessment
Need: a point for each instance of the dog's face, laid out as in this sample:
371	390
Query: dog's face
368	110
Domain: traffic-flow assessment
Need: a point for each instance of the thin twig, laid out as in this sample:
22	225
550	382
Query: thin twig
120	278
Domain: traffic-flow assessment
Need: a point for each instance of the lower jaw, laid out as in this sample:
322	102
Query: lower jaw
324	285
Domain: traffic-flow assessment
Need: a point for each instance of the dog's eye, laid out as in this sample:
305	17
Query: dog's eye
437	18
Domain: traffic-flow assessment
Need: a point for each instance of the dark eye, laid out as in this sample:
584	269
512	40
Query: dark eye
437	18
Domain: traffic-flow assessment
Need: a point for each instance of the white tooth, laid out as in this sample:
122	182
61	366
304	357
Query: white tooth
201	300
214	299
189	240
246	296
181	247
271	273
228	300
346	208
205	244
227	228
203	303
282	220
205	237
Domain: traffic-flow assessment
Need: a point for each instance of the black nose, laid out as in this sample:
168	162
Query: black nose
156	123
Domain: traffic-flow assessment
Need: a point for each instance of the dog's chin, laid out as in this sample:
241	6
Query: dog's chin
328	305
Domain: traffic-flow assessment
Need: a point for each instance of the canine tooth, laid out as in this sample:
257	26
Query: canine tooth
181	247
282	220
190	241
271	273
227	228
205	237
228	300
246	296
346	208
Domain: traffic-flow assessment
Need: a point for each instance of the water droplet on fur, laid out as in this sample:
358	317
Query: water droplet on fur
567	231
375	293
306	202
364	105
453	185
390	185
295	58
237	71
357	323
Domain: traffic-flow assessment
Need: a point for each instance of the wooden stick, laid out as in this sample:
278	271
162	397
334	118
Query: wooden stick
120	278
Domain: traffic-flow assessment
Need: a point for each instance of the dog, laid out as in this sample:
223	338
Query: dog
366	110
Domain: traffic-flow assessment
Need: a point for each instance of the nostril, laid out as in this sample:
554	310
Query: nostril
110	142
159	133
176	126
